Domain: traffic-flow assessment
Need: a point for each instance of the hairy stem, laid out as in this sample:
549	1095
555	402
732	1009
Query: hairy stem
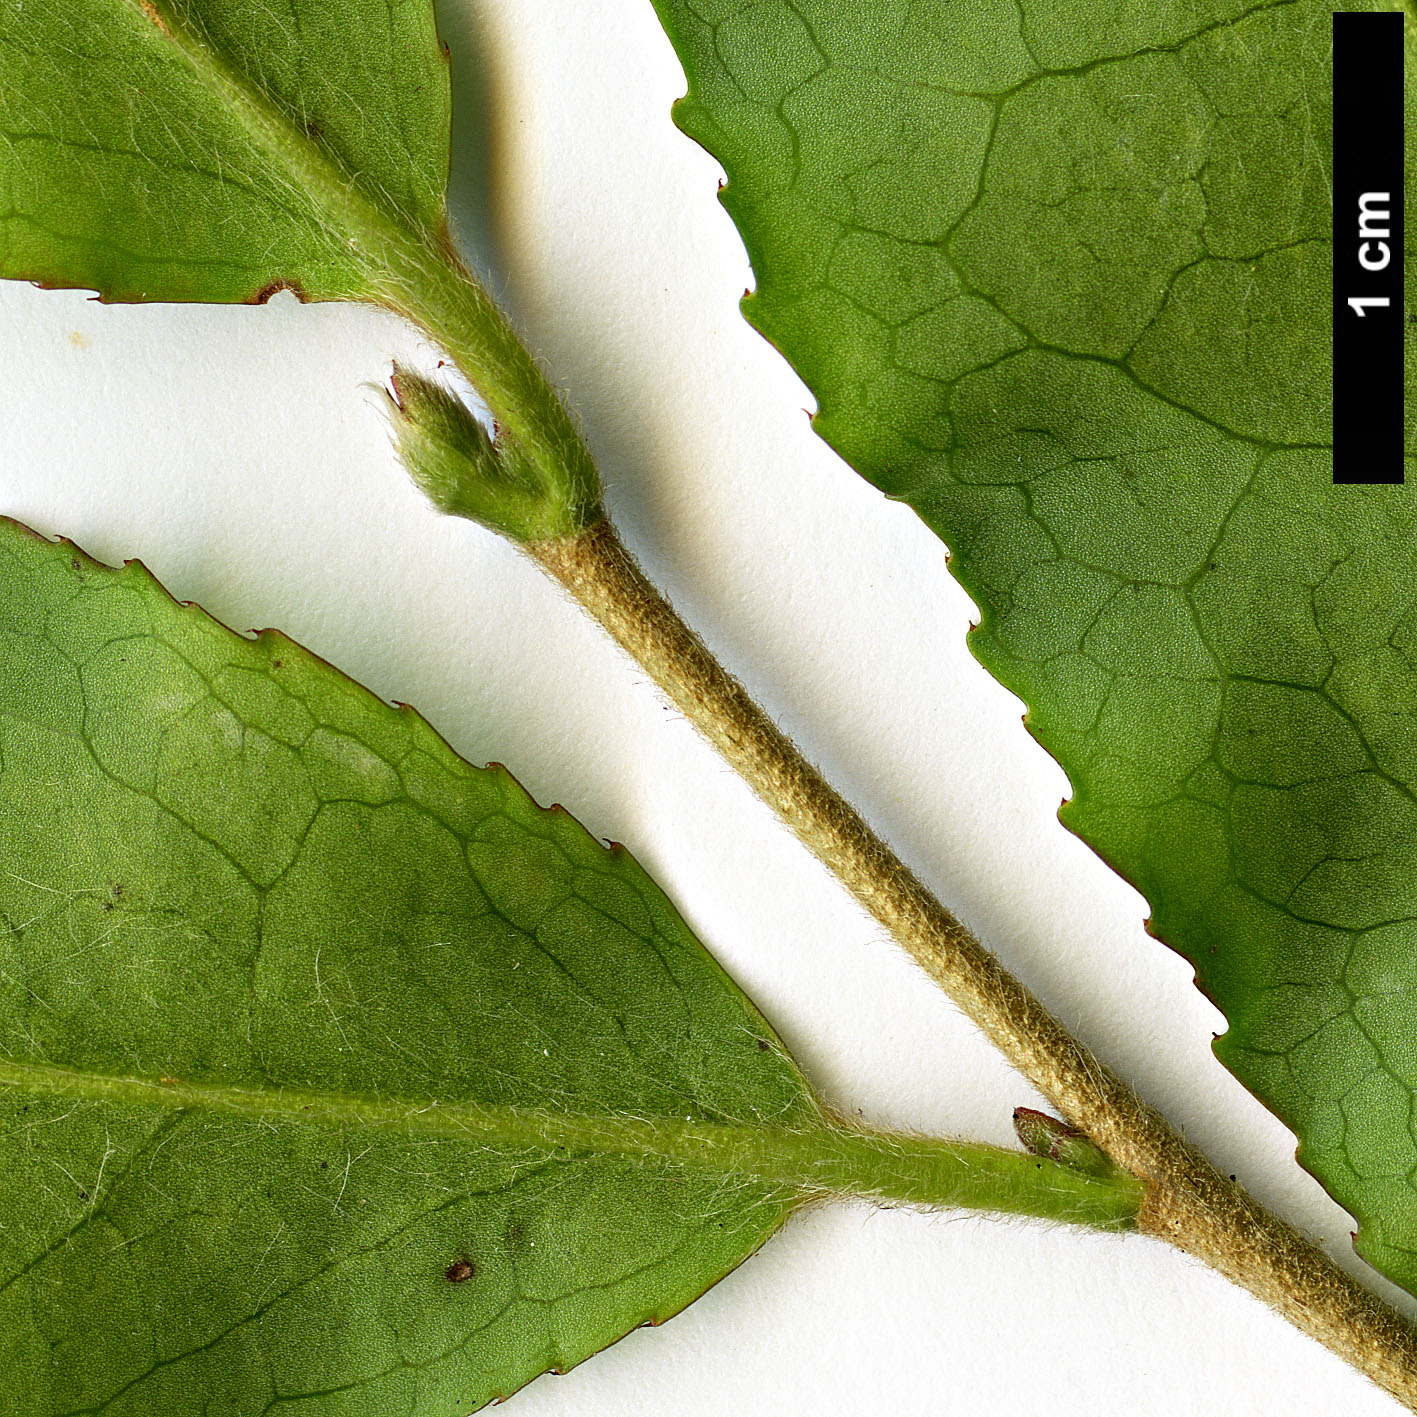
1188	1201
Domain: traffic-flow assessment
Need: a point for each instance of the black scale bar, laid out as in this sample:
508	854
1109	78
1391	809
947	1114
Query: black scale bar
1368	310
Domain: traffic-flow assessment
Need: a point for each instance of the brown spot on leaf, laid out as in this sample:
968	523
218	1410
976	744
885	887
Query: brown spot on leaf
459	1271
275	288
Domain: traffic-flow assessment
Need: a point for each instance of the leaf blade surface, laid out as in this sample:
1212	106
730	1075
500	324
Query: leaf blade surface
300	1013
201	149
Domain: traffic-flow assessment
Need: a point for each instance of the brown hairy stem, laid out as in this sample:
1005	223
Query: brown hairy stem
1189	1202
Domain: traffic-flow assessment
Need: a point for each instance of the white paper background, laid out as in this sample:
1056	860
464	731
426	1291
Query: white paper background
241	454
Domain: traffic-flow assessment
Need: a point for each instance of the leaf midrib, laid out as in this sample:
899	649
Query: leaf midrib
350	210
807	1157
461	1121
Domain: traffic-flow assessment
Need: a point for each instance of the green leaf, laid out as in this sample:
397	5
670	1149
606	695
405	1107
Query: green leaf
1059	276
192	149
336	1076
221	150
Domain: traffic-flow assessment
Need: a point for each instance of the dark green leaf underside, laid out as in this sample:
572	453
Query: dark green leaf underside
232	884
1059	276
